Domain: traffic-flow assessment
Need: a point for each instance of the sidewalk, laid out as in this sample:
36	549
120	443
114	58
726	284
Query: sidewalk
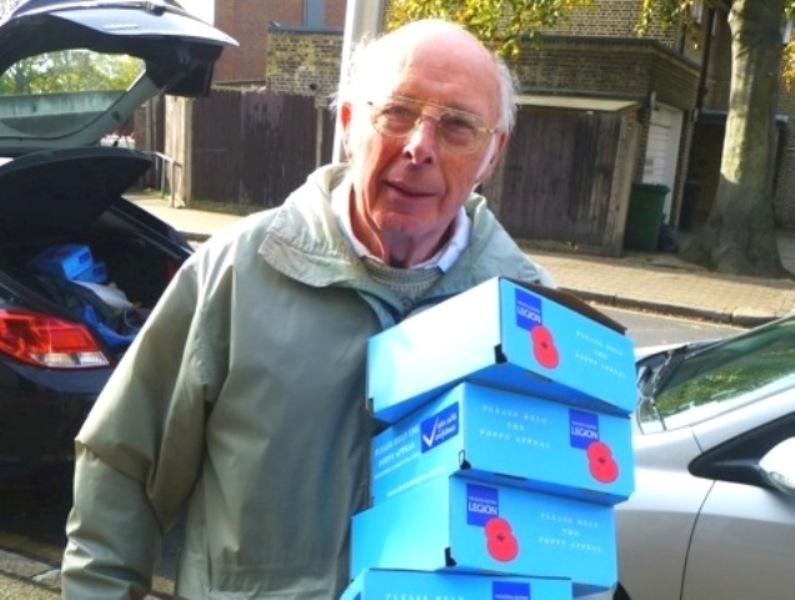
658	282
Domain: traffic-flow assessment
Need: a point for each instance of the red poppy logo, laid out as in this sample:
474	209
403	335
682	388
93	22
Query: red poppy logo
544	347
500	542
601	463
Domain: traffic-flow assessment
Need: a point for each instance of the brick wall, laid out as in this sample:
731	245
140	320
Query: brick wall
303	62
603	62
248	22
612	18
306	62
622	68
335	13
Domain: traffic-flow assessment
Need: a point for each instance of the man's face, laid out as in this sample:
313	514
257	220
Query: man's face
408	189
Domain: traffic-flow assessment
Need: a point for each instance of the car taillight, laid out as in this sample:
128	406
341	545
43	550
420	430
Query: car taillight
45	341
171	269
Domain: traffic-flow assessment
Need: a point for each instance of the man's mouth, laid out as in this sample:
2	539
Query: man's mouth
409	189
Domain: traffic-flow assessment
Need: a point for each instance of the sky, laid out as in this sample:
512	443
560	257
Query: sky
204	9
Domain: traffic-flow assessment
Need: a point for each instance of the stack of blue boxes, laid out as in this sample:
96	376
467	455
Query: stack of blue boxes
509	443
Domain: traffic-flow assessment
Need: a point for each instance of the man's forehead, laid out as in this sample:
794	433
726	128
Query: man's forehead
407	71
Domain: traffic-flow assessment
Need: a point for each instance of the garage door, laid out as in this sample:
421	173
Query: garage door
662	150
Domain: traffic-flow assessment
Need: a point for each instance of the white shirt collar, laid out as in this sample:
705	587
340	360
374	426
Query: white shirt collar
443	259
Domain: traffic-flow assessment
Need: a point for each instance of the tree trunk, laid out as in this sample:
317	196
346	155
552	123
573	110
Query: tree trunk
739	235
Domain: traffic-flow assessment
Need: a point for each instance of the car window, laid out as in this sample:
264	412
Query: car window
721	378
57	93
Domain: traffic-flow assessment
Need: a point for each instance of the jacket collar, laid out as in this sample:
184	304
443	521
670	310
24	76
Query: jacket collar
304	242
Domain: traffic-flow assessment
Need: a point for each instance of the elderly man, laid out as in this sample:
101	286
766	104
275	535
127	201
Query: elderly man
242	400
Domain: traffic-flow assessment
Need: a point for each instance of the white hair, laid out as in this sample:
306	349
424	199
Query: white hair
375	62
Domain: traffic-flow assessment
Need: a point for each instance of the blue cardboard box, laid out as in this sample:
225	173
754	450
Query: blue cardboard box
64	260
461	525
379	584
96	273
503	437
535	340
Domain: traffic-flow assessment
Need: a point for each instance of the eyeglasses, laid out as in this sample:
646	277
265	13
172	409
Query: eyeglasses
458	130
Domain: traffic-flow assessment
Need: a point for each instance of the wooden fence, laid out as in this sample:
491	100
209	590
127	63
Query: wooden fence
566	177
253	147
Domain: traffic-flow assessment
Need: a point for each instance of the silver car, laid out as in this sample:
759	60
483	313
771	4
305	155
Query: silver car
713	516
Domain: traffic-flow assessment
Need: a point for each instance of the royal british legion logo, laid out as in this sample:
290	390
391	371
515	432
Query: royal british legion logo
510	590
583	428
483	504
528	310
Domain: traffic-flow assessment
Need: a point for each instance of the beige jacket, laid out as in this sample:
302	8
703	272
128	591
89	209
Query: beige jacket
242	400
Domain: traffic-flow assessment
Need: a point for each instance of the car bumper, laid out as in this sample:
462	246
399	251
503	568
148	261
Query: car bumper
41	411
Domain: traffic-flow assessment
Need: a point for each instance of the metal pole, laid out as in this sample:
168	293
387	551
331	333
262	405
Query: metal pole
173	183
363	18
319	133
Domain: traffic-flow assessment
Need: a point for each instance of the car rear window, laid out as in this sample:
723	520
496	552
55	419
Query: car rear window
56	93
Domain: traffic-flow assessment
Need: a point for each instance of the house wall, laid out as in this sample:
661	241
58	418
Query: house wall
612	18
335	13
615	67
605	58
248	22
303	62
593	52
620	68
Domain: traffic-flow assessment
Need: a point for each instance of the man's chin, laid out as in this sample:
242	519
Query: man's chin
404	226
411	232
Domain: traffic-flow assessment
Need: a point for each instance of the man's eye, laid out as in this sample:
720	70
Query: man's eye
396	111
456	123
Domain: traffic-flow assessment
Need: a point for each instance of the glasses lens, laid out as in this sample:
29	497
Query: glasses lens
459	130
395	117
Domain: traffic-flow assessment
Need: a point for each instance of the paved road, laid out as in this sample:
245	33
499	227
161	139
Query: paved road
647	329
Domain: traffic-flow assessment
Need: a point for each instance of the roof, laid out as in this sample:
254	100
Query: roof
577	102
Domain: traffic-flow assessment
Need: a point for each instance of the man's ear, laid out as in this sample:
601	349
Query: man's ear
497	147
346	118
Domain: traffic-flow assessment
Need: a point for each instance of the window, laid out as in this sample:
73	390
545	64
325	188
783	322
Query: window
314	14
57	93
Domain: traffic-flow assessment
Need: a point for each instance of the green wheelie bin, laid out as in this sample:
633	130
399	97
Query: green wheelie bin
645	216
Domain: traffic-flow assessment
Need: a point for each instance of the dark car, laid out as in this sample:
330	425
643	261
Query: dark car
80	266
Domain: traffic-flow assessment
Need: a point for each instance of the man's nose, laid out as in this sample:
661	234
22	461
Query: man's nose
422	144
